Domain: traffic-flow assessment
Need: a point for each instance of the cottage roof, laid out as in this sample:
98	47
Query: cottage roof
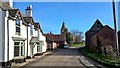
23	21
105	32
37	26
6	6
94	29
97	25
28	20
55	38
12	11
59	38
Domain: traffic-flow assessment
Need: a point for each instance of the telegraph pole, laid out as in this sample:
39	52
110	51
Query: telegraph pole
115	27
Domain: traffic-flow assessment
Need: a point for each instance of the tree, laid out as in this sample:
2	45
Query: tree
69	38
77	36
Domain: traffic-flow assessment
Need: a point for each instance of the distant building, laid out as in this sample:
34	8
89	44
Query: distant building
64	30
56	40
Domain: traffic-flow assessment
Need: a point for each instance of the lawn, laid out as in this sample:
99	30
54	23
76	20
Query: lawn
78	45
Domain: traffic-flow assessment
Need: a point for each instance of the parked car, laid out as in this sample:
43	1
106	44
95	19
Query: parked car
66	46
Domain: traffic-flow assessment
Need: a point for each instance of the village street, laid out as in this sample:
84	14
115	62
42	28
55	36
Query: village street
63	57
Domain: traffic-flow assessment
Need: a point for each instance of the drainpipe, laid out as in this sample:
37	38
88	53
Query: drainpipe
7	13
27	42
8	39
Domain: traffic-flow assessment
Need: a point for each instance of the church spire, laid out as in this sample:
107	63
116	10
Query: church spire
63	29
63	25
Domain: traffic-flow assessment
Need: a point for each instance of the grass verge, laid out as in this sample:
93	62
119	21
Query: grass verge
100	58
78	45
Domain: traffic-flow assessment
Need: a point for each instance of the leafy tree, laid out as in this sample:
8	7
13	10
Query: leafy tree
69	38
77	36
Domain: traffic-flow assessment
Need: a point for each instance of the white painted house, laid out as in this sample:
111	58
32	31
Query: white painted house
20	36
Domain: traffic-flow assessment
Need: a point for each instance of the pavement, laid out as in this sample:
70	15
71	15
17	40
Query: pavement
17	65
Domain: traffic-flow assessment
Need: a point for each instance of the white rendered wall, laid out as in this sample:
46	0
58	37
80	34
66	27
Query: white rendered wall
5	54
1	35
43	38
29	37
24	35
11	42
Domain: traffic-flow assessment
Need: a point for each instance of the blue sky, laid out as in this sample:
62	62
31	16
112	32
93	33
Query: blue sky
76	15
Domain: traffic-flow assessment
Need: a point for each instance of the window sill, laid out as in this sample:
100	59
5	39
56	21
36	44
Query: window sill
19	57
17	33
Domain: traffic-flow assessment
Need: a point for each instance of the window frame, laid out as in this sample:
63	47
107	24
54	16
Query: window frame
39	46
21	50
18	26
31	29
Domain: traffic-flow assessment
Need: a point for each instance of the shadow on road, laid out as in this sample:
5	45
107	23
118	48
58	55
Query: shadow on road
72	51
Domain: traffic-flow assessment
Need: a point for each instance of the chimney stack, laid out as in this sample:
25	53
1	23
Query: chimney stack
28	11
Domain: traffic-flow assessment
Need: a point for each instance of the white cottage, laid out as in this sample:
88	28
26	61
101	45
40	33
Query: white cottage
12	39
20	36
36	41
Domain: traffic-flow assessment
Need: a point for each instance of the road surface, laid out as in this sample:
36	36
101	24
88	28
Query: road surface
64	58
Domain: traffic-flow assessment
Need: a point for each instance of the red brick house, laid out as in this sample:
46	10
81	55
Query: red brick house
101	39
92	31
54	40
104	37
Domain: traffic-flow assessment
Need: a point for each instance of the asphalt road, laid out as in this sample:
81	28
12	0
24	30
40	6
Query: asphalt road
63	58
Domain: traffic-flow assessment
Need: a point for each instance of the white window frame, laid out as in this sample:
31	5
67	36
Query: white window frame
31	29
39	46
18	26
21	44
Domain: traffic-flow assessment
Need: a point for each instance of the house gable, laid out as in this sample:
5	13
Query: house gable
96	26
94	29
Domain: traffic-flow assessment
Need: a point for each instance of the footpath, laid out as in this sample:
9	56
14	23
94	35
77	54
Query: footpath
17	65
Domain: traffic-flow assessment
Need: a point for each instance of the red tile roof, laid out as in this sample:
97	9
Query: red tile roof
55	38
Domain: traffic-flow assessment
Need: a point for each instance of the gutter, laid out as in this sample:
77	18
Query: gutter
2	8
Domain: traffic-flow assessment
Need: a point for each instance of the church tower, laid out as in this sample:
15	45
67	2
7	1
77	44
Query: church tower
64	30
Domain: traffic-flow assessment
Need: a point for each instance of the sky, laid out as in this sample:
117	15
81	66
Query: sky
76	15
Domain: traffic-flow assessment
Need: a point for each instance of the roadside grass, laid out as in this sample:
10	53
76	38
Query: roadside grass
78	45
101	58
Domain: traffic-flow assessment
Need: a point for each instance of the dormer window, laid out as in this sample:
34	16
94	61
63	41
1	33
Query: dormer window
17	26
